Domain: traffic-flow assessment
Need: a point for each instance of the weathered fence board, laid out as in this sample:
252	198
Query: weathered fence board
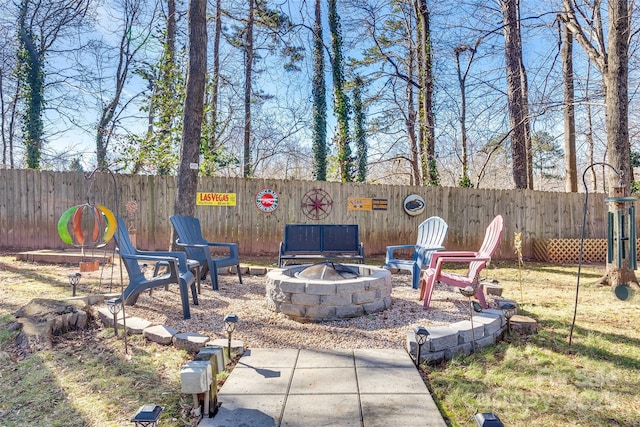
32	201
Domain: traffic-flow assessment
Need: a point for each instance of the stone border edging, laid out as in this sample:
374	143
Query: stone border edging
445	342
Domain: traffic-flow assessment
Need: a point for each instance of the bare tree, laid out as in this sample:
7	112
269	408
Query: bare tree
40	24
9	93
133	35
464	180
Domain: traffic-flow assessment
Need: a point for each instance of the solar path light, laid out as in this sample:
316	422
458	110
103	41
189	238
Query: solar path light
487	419
147	416
509	310
422	336
114	307
74	279
230	321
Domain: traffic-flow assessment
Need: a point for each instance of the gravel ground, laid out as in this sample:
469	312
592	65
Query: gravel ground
260	327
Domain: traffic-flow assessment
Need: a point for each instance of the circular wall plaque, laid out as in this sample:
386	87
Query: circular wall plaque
316	204
413	205
267	200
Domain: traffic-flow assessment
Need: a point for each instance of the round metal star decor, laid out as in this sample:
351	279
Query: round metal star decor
316	204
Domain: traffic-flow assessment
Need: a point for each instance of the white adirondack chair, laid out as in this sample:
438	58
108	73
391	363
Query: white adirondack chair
431	235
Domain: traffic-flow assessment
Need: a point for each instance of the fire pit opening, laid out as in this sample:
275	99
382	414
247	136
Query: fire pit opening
328	291
328	271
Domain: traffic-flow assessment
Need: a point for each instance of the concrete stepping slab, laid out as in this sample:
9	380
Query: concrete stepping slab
383	410
324	380
252	409
383	358
390	380
135	325
269	358
257	381
106	317
160	334
325	359
322	410
190	341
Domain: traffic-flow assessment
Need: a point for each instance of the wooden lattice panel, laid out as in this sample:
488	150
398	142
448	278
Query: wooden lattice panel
567	251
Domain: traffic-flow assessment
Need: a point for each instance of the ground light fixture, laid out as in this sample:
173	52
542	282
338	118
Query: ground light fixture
230	321
509	310
468	292
74	279
487	419
422	336
147	416
114	307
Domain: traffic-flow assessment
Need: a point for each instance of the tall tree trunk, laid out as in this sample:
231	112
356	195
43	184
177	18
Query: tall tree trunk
425	72
248	71
464	177
31	62
359	132
416	176
590	141
525	105
340	101
513	54
215	77
193	110
571	169
319	100
12	122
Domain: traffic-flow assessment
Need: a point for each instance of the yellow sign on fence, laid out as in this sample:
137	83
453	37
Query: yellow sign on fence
358	204
366	204
216	199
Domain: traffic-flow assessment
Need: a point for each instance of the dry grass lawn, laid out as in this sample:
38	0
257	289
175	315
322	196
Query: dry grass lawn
87	380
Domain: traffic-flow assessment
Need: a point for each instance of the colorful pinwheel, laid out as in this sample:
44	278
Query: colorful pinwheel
87	225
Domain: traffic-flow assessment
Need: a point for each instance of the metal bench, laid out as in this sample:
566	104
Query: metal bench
321	242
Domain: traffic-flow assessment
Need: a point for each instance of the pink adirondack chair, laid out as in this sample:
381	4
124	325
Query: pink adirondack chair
476	260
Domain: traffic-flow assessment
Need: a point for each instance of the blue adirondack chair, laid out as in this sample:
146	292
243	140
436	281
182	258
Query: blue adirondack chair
178	270
431	235
198	248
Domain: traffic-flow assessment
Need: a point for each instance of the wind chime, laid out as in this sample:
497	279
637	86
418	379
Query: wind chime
621	239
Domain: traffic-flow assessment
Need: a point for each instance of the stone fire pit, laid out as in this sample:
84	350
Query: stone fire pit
333	297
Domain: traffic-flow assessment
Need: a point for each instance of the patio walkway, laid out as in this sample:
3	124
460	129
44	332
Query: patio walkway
290	387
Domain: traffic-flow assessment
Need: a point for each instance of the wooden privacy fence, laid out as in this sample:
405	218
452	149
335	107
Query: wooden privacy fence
31	203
